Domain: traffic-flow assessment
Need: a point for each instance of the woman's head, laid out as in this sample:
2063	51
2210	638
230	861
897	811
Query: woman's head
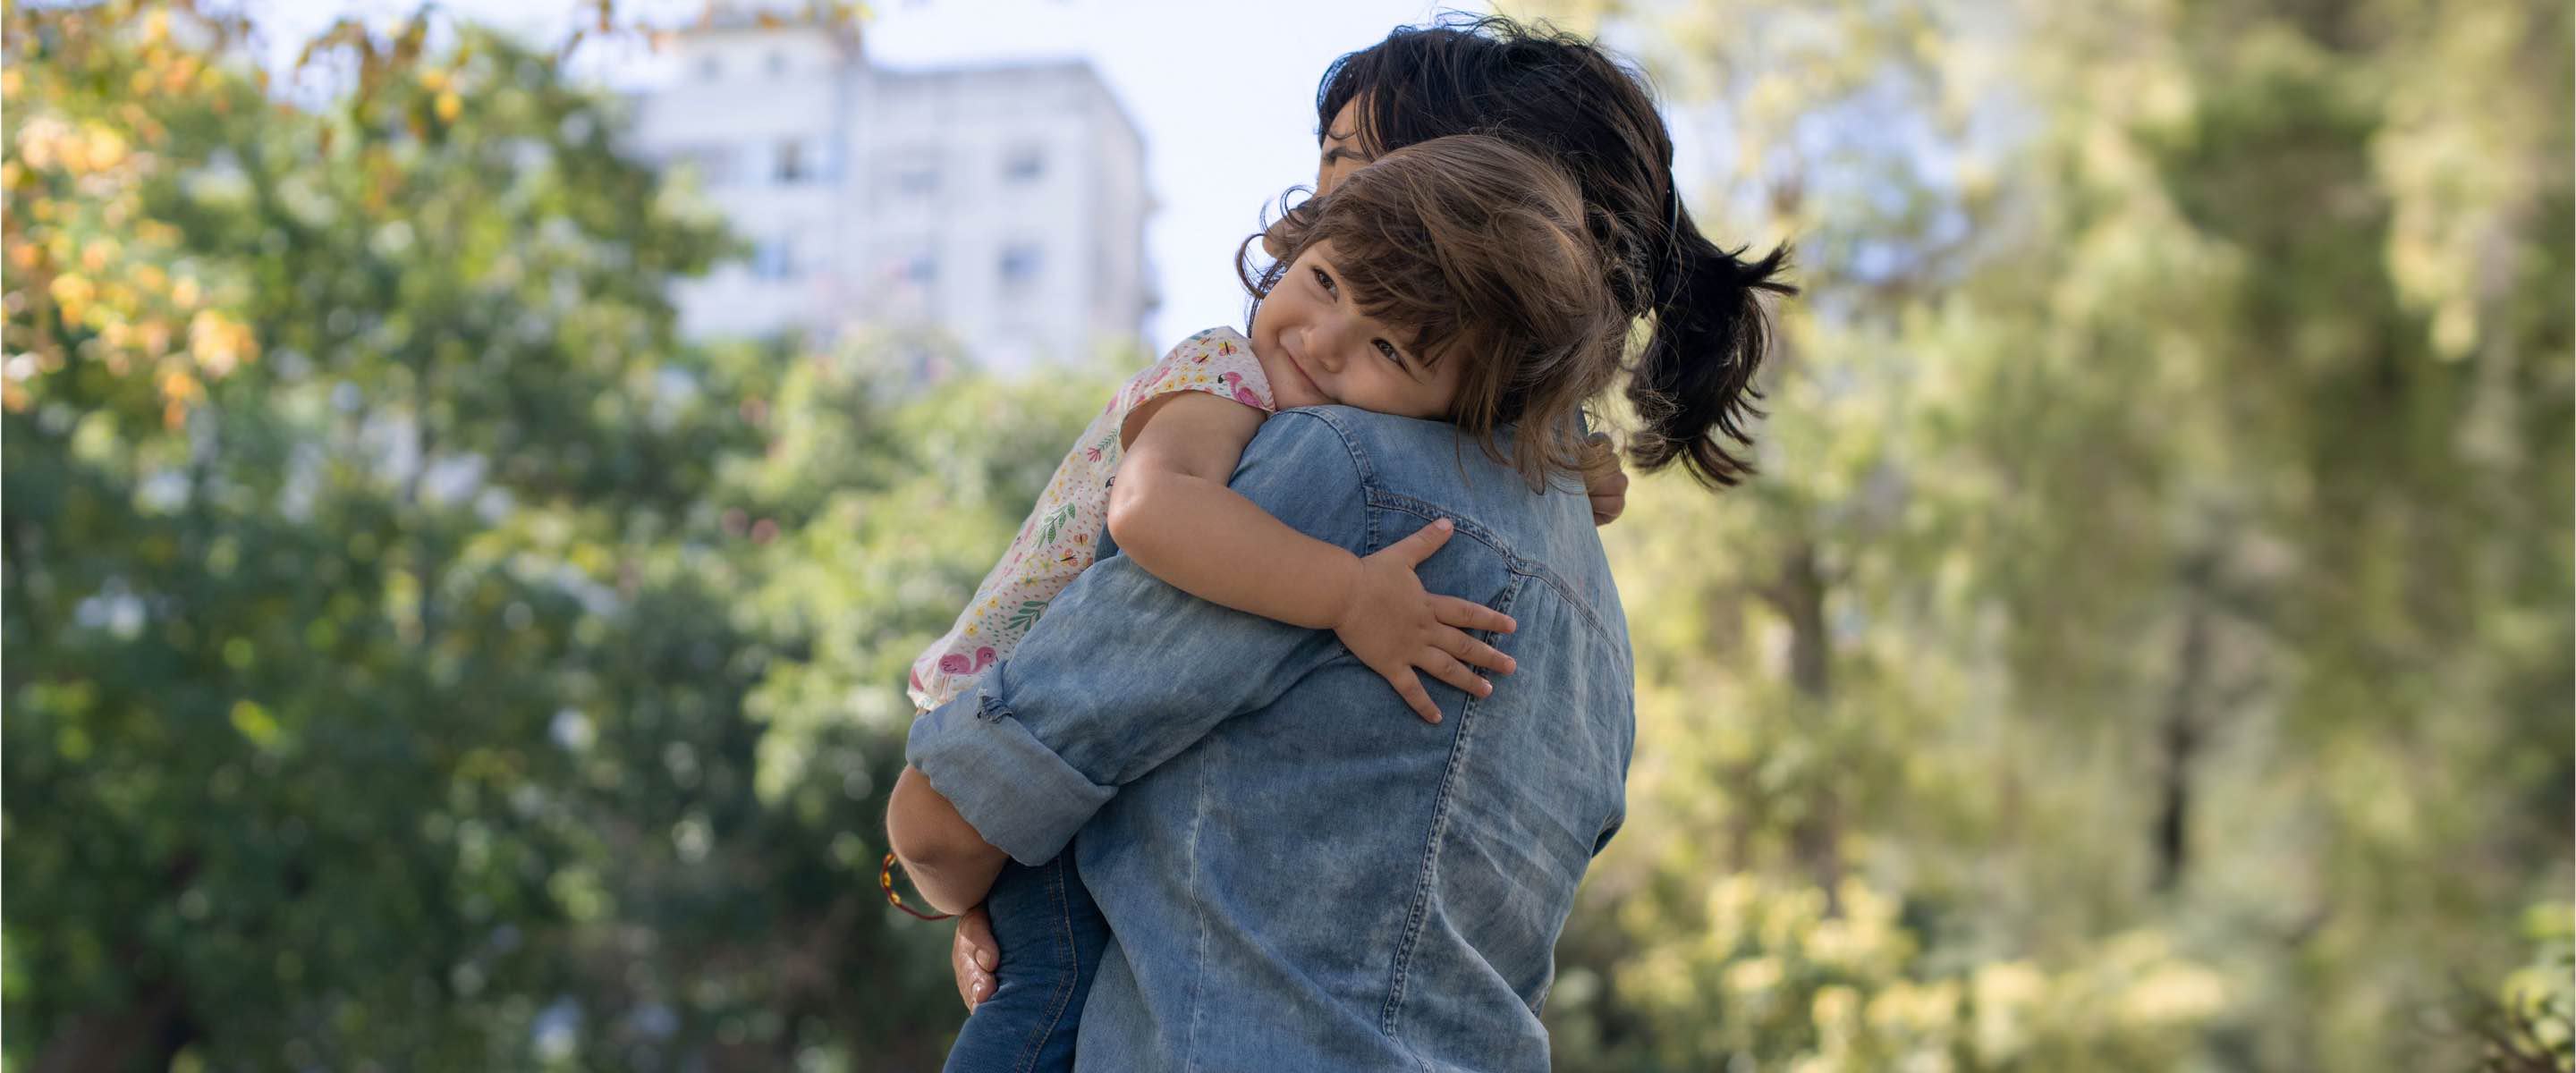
1454	279
1561	96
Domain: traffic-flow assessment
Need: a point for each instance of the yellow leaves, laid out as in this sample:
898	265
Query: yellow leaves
38	139
179	390
449	106
2003	993
96	255
1753	976
132	306
87	268
154	232
2174	993
47	143
1834	1008
1911	1008
220	343
72	293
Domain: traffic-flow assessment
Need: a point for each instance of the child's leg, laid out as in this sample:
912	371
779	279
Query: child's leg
1051	935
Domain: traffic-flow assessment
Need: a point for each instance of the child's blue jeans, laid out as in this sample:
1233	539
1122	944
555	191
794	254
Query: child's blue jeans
1051	935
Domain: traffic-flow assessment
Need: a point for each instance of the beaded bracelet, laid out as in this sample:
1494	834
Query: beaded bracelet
885	879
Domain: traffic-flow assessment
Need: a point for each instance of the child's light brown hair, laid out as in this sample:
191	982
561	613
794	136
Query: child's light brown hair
1482	253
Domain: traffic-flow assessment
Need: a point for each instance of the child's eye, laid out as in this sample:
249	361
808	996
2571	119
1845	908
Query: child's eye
1322	280
1388	350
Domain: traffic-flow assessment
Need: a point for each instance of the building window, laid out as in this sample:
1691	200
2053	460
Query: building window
1019	268
918	180
790	166
710	68
1025	165
774	259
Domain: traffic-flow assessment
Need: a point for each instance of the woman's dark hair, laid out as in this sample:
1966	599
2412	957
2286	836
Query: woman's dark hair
1480	252
1560	95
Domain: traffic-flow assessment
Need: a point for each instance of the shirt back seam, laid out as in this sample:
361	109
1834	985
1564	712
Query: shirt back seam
1390	1015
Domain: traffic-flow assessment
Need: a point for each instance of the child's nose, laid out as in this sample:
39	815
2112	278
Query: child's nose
1325	344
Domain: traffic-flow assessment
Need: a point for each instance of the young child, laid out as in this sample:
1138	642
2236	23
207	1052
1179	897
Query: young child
1451	280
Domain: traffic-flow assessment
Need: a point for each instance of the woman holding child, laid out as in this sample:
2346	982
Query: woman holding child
1325	885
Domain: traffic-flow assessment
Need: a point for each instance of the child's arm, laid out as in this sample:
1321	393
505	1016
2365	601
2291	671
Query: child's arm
1171	511
950	864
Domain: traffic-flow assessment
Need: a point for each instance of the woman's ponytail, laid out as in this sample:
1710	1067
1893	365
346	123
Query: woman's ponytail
1562	95
1693	386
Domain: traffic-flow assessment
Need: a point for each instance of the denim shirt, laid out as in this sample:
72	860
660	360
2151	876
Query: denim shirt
1299	873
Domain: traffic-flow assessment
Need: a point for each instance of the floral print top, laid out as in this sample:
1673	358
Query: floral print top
1060	536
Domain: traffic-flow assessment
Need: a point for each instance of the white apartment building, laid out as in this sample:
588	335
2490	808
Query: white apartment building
1004	205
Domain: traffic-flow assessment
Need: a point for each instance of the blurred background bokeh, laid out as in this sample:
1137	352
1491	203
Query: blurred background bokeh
475	475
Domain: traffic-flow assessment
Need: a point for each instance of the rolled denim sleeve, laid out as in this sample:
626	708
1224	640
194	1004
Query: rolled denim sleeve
1124	672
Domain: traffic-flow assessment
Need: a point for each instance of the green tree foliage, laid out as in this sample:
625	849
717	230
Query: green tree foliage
418	658
2148	646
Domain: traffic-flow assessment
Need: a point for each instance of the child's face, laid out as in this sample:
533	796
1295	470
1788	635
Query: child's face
1317	348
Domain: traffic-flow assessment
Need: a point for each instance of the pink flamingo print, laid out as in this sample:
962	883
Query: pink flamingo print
1242	394
957	663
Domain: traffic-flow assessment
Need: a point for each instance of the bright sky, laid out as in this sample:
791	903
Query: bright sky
1223	91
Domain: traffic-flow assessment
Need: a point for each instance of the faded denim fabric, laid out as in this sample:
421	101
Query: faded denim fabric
1299	874
1051	937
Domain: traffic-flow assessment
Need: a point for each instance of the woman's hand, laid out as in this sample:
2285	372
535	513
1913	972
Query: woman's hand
974	957
1394	626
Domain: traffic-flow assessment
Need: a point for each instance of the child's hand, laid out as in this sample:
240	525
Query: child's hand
1604	480
1394	626
973	957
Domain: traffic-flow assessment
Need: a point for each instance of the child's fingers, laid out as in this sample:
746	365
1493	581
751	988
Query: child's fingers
975	939
973	956
1446	668
1413	549
1409	686
1470	615
1475	653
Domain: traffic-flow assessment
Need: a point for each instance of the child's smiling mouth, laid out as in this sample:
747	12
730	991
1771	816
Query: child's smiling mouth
1313	390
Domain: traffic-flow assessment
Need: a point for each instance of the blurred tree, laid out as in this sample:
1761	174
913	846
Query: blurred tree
422	660
2176	428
